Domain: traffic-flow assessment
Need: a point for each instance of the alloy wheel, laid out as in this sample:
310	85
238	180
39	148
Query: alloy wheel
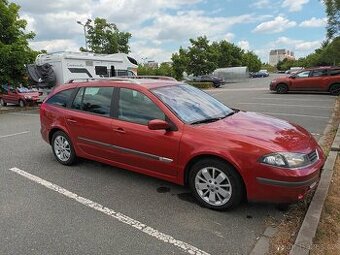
62	148
213	186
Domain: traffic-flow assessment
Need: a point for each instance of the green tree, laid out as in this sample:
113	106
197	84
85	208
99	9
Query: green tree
201	57
333	18
104	37
252	61
14	49
180	62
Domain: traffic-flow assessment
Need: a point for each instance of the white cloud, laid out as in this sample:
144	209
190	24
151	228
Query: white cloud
314	22
277	25
261	4
294	5
55	45
244	45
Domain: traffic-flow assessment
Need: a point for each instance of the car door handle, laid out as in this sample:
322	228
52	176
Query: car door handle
71	121
119	130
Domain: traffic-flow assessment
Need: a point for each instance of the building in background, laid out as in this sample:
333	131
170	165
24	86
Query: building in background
278	55
151	64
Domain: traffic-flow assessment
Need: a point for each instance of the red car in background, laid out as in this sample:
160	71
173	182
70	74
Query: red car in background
21	96
176	132
324	79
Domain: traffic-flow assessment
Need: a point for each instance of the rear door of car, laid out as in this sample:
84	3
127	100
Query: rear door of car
90	123
318	79
151	151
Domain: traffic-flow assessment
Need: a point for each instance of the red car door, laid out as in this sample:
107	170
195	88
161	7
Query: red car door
137	145
90	123
300	81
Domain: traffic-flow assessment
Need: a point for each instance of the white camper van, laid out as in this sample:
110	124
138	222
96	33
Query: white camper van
81	65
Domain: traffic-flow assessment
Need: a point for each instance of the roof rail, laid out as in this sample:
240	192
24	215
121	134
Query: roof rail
123	78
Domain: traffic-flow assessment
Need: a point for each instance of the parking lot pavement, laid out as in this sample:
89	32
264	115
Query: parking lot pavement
58	210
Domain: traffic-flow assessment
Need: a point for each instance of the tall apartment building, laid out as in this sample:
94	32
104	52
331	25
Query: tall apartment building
278	55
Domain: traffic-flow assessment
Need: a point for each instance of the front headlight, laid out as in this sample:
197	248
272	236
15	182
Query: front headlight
286	159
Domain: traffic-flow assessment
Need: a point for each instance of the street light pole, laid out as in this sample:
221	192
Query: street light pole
84	26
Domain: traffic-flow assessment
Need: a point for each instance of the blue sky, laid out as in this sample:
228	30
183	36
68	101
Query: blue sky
160	27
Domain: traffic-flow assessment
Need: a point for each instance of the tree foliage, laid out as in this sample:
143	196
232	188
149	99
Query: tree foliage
14	49
165	69
333	18
327	55
104	37
203	57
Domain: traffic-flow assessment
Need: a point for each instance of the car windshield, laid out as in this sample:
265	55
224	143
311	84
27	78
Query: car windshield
192	105
24	90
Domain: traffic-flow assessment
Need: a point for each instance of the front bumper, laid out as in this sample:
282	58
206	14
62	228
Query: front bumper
285	186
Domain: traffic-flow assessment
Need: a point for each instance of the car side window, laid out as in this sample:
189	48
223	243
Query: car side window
61	98
304	74
334	72
318	73
94	99
136	107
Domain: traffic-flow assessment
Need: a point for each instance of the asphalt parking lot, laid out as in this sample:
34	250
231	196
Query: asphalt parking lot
57	209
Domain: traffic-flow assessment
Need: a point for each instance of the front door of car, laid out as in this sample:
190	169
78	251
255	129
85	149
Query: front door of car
300	81
153	151
90	123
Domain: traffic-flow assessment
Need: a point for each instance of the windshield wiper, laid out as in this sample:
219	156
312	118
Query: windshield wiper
209	120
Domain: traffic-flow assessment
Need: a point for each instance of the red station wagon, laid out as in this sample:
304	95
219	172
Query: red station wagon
176	132
324	79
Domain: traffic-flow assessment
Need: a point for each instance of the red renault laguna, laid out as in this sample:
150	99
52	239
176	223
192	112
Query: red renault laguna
173	131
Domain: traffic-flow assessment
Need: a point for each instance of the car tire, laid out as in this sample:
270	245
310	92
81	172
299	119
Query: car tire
216	184
21	103
281	88
63	149
335	89
2	102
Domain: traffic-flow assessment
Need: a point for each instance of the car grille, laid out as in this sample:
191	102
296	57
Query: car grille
313	156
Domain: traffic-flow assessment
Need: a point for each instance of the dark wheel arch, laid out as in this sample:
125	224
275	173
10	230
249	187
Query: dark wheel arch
231	176
334	89
281	88
194	160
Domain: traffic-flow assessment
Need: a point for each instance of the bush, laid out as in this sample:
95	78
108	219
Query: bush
201	85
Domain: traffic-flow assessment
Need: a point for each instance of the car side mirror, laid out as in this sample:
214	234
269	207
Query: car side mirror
158	125
292	77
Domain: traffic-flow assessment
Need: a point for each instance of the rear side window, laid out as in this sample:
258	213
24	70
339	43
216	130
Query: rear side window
61	98
101	70
318	73
94	99
334	72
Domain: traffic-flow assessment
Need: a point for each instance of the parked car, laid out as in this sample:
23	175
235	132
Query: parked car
261	73
21	96
178	133
326	79
217	82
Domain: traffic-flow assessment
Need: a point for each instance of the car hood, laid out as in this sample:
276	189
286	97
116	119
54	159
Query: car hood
265	131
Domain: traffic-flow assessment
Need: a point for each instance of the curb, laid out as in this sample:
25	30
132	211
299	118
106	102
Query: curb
304	239
9	110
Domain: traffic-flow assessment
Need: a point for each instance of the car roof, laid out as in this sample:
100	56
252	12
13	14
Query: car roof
144	83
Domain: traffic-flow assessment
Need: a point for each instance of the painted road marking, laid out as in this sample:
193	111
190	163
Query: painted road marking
188	248
297	115
286	105
21	133
295	99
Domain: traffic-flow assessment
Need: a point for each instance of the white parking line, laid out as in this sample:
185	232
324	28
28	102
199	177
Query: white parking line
21	133
297	115
287	105
296	99
188	248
